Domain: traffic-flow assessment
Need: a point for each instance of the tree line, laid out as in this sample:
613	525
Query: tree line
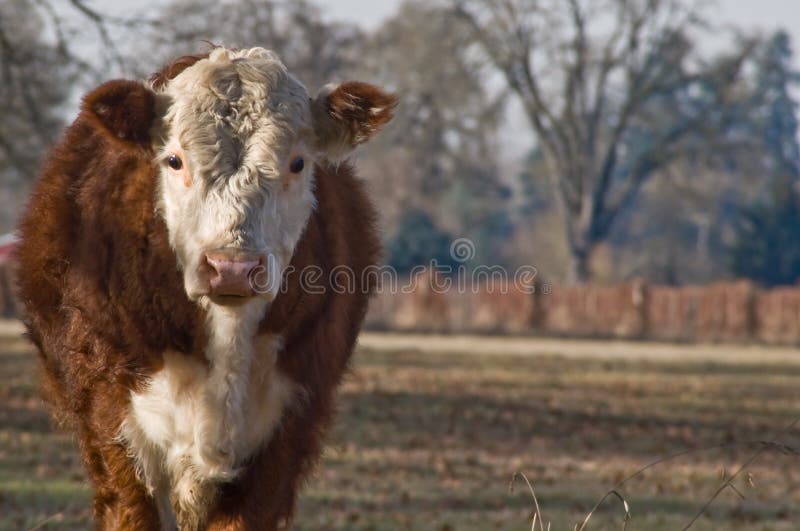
650	156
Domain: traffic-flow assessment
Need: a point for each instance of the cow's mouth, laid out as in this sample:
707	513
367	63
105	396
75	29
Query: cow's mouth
229	300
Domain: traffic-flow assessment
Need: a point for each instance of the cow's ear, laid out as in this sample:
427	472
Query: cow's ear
349	114
124	109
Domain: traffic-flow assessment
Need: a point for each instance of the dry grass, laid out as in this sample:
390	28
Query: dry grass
429	440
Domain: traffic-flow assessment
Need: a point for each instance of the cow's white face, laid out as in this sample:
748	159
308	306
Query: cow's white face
236	138
236	146
236	172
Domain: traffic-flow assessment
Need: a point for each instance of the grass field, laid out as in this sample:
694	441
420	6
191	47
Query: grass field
431	431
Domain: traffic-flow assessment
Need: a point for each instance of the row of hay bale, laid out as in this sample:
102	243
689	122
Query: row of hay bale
428	309
721	312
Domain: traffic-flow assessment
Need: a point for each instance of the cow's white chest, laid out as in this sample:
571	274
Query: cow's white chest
195	423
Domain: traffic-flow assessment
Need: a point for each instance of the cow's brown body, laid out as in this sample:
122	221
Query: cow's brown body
103	300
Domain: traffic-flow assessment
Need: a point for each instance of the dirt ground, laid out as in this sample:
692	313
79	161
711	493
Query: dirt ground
431	430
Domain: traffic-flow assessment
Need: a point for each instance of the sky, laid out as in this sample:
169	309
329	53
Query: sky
761	14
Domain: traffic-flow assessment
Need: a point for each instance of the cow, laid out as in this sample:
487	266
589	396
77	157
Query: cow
162	270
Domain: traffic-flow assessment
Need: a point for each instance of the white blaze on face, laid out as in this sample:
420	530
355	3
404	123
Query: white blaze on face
235	127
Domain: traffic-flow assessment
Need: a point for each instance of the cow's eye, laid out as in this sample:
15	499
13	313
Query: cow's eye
297	165
175	162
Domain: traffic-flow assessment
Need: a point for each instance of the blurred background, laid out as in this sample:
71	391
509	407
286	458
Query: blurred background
598	141
637	159
609	141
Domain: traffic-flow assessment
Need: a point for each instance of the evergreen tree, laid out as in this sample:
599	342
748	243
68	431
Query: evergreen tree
767	248
418	242
767	245
778	120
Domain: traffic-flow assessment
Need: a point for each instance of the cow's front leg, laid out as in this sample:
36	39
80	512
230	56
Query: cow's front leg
120	501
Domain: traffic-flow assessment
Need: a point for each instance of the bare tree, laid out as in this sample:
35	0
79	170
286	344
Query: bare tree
318	52
42	70
440	154
614	90
32	88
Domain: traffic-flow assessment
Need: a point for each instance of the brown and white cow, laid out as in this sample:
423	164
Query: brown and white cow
160	268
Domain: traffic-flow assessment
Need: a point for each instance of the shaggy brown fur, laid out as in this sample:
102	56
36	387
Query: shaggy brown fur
103	300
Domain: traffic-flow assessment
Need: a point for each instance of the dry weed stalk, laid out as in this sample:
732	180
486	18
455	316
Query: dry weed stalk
776	444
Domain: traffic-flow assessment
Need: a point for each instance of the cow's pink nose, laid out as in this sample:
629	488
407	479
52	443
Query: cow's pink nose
230	272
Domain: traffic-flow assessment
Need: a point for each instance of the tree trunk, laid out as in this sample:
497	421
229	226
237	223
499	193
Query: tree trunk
578	272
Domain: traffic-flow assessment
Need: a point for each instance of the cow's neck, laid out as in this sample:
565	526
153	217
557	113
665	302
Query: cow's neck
231	351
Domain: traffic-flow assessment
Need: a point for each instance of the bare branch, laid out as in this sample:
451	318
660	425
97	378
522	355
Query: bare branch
99	22
588	93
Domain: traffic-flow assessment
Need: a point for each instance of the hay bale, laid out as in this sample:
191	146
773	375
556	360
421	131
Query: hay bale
595	311
777	316
725	312
423	307
381	310
500	308
671	312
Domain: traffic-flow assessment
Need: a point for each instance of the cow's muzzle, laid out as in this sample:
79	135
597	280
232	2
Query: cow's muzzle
229	274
